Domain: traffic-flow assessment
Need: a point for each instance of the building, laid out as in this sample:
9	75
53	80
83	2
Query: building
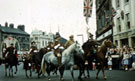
17	36
124	29
41	38
104	20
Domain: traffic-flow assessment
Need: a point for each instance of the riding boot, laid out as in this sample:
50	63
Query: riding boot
59	61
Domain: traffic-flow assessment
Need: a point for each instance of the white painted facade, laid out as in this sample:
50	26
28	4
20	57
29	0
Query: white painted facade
124	28
41	38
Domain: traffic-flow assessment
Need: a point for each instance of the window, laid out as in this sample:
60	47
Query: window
126	1
119	24
117	3
36	38
43	43
128	20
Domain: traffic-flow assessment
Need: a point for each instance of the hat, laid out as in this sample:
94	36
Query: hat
11	44
71	36
90	35
57	35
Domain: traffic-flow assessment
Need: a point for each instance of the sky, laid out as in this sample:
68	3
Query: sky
49	16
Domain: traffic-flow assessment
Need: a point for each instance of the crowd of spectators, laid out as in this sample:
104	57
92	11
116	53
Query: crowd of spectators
126	57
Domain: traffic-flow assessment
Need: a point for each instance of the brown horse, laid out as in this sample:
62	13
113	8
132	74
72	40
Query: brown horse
101	56
27	64
36	58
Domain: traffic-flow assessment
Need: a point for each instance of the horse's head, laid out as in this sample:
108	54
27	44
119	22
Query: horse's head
108	43
43	51
78	49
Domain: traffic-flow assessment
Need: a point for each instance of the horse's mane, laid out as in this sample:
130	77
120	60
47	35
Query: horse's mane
103	47
68	50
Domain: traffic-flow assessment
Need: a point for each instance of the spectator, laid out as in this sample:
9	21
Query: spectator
126	57
110	62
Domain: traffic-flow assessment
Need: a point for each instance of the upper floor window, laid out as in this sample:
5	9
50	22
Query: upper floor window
128	20
126	1
119	24
117	3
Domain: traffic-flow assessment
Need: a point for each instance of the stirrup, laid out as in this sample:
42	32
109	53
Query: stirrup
86	62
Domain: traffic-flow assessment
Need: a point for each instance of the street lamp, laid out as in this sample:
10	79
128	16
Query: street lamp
82	37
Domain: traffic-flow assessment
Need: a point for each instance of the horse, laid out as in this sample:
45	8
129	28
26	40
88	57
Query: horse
27	64
36	58
90	49
49	60
101	56
11	61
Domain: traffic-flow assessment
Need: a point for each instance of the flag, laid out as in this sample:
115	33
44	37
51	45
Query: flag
88	8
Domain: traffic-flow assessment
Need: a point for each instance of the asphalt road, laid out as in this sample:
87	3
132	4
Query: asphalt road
114	75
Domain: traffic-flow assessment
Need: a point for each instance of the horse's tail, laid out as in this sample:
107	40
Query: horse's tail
43	66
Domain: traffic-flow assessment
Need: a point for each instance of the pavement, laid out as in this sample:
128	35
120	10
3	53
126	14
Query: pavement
114	75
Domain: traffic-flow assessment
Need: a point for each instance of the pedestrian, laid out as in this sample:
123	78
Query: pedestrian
110	62
126	57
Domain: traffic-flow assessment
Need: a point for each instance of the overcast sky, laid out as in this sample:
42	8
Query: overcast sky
48	14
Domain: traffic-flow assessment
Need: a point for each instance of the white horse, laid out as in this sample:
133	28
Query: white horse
49	61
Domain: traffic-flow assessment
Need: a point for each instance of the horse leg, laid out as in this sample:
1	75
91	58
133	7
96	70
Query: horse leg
30	72
26	73
48	72
72	73
105	77
6	70
16	69
80	74
61	70
9	71
88	75
99	68
11	68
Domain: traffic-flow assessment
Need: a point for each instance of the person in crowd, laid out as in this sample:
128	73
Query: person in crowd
126	57
110	62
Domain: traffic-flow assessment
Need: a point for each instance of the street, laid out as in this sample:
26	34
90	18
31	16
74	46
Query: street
114	75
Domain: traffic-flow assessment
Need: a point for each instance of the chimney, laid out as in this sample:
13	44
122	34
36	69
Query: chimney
21	27
6	24
11	25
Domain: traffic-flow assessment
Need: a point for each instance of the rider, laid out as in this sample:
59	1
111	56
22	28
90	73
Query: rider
93	48
56	46
9	51
49	46
70	41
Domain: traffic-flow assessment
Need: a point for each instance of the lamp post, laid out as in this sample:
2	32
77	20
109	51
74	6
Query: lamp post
82	37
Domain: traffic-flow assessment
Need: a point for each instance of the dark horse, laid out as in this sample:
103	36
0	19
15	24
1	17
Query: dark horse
35	59
11	61
100	55
90	53
27	64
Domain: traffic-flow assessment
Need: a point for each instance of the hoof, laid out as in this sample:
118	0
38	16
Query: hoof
97	78
27	76
61	79
49	79
80	78
15	73
105	78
